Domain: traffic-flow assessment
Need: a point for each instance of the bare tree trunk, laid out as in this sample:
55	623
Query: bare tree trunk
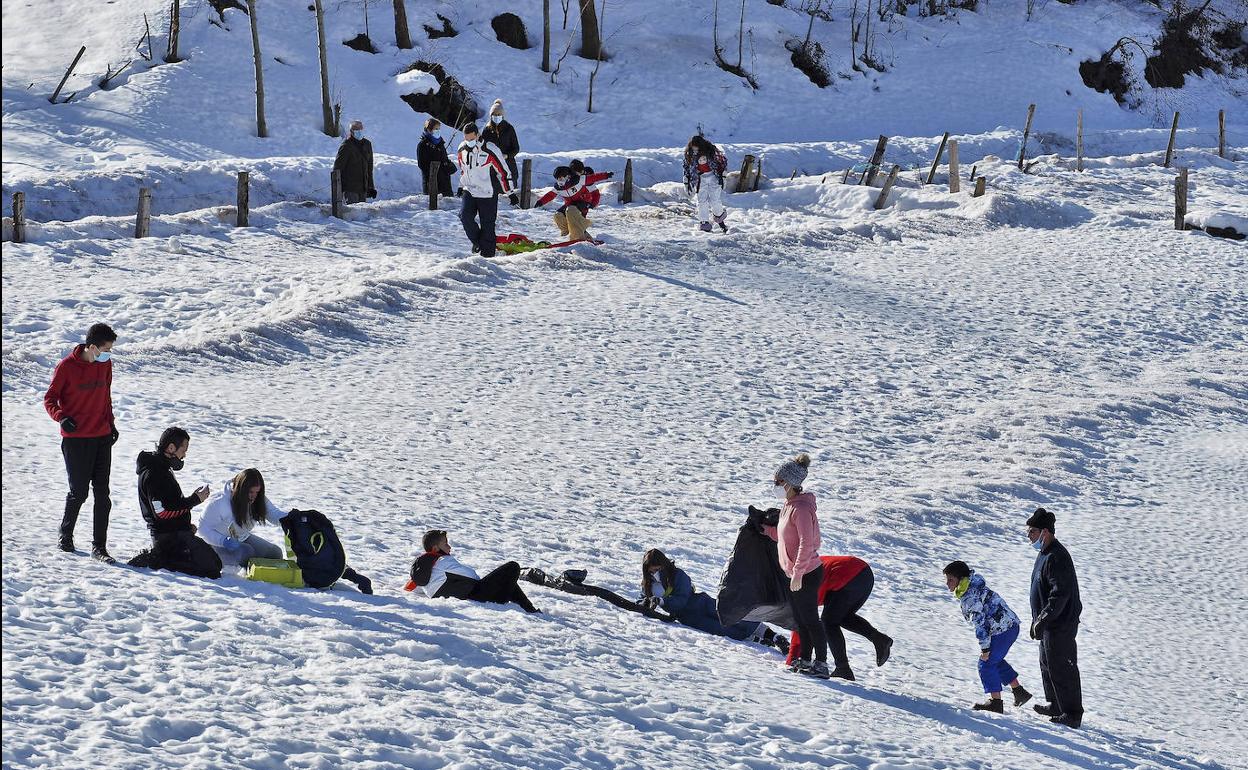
402	36
545	35
866	35
715	28
591	40
262	129
741	36
809	29
175	30
327	109
594	75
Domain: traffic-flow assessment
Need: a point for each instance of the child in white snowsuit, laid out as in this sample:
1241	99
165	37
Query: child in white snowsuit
704	177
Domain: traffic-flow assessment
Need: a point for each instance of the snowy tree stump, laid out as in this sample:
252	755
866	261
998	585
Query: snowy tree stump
19	217
626	194
526	183
1079	141
980	185
1174	127
931	173
143	222
335	193
747	170
882	200
244	199
434	183
955	184
873	168
1180	200
1022	147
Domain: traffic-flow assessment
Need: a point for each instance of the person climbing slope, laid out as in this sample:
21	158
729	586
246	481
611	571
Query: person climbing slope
847	583
996	628
705	166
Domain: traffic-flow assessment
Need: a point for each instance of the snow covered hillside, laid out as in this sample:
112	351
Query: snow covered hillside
950	363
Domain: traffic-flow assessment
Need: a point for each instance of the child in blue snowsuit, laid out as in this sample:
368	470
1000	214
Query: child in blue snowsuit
996	628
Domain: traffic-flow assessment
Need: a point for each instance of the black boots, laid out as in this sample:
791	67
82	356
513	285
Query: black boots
1021	695
100	553
1045	710
883	648
1069	720
66	544
843	672
995	705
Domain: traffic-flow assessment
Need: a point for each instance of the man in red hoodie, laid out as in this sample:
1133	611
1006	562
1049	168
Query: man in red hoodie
80	399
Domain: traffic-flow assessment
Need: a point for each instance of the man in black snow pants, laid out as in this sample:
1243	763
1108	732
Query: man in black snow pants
439	575
167	512
483	176
1055	610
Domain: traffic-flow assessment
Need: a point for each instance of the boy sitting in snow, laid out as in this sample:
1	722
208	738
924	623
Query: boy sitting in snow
440	575
576	197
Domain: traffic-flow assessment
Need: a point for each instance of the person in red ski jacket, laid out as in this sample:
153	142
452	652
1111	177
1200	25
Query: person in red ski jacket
576	197
80	398
847	582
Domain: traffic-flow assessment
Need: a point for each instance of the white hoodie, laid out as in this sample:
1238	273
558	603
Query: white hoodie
217	521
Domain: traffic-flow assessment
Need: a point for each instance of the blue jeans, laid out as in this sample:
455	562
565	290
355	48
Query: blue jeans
252	548
996	673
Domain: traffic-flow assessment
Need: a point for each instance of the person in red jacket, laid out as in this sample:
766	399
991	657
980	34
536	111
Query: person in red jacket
847	582
576	197
80	399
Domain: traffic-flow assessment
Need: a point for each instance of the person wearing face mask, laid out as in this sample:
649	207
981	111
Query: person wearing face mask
705	167
996	629
1055	610
439	575
431	149
576	197
502	135
483	176
231	514
797	543
167	512
354	165
80	398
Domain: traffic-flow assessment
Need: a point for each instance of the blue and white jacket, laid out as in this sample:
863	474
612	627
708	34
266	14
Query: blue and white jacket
986	611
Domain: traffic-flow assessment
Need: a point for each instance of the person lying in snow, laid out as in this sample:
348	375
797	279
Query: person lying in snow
576	197
440	575
572	581
665	585
996	627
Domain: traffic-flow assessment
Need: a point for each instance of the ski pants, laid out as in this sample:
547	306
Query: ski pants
500	587
805	605
184	552
710	198
486	210
571	222
1059	670
88	462
700	613
252	548
995	673
840	611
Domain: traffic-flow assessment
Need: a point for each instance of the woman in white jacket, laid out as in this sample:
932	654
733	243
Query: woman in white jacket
233	513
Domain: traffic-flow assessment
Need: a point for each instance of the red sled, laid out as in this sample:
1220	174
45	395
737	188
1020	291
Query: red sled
517	243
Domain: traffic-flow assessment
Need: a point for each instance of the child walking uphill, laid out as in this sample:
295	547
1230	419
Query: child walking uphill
996	628
576	197
704	177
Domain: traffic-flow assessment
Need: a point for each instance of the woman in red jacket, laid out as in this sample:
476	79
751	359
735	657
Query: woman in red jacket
847	582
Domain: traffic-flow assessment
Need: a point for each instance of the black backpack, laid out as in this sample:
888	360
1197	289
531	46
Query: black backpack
318	551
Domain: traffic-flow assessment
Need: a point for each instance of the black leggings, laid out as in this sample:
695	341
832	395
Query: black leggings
499	587
840	610
805	606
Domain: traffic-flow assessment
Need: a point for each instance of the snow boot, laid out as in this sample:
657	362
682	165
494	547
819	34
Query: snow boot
1045	710
706	227
1021	695
995	705
818	669
723	228
66	544
476	249
719	218
843	672
1069	720
364	584
100	553
576	576
533	575
798	666
146	559
883	649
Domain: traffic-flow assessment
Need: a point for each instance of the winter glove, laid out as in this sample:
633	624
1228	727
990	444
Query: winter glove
372	192
68	425
1037	629
514	198
114	435
650	602
610	174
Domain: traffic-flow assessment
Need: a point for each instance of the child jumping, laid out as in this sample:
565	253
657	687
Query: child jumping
704	177
576	197
996	628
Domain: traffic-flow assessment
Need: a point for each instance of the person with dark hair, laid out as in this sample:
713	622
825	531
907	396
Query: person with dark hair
439	575
572	581
1055	610
665	585
167	512
847	583
231	514
705	167
80	398
483	176
996	628
797	543
354	165
576	196
431	149
500	133
579	168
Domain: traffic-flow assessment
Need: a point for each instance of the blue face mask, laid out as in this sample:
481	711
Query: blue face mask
356	133
103	356
1039	544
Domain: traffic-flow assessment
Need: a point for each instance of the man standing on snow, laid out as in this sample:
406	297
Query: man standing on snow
1055	609
80	398
483	175
354	165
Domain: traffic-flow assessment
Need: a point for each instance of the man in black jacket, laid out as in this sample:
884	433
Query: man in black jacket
1055	610
354	165
167	512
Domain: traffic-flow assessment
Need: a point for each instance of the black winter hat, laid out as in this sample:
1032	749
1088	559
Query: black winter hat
1042	519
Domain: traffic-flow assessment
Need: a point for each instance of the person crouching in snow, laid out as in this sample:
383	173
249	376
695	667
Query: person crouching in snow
996	628
576	197
705	166
440	575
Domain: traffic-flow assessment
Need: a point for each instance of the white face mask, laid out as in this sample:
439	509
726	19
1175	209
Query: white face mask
496	118
471	143
103	356
658	581
781	492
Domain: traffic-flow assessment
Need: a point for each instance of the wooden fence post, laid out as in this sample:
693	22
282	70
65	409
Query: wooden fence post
1022	148
955	183
931	174
626	195
143	223
747	169
335	193
1174	126
19	217
873	168
888	186
980	184
434	184
971	178
1180	200
1079	142
243	206
526	183
68	72
1221	133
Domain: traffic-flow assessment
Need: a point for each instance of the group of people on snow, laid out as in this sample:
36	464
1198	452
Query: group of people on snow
486	162
824	594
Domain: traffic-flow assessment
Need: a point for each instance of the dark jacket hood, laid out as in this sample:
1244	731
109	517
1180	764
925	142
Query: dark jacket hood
150	461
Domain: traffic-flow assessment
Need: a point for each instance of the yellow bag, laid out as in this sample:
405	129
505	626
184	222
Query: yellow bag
280	571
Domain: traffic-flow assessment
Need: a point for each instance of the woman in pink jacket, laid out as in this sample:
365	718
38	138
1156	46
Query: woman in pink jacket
797	543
